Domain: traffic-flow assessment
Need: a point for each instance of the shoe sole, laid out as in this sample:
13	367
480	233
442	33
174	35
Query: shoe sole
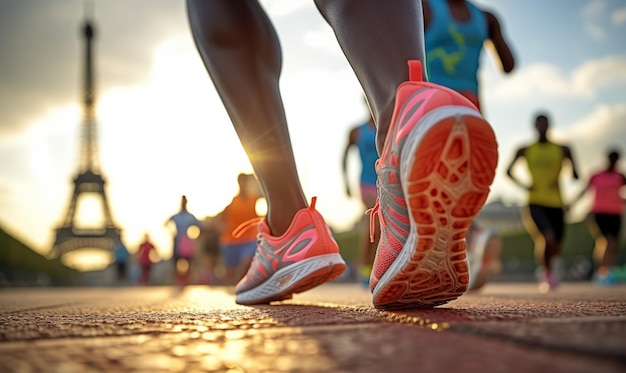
447	167
295	278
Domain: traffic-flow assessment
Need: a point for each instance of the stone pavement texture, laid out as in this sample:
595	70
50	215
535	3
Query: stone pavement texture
334	328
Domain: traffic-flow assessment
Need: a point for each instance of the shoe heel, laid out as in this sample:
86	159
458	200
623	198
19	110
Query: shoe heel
447	168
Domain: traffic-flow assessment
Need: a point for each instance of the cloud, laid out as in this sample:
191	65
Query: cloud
592	15
598	74
619	17
283	8
593	134
307	40
321	38
539	78
42	51
39	59
550	81
600	18
602	123
42	48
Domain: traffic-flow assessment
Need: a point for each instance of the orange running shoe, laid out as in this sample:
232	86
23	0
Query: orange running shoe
304	257
434	174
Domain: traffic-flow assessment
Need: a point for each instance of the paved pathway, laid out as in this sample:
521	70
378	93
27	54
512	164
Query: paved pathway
334	328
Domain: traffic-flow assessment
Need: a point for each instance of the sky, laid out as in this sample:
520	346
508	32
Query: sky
163	132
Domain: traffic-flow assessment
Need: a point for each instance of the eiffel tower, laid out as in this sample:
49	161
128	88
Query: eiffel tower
69	237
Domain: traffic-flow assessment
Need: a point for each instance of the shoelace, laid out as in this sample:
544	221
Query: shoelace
254	222
246	225
374	211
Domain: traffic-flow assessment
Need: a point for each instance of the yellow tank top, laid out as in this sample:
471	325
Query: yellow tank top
544	164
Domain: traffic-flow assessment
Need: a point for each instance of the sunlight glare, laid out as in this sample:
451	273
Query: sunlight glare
154	256
182	265
193	232
87	259
261	207
544	288
89	211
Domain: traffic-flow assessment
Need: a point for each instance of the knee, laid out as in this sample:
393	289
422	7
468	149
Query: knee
611	240
550	238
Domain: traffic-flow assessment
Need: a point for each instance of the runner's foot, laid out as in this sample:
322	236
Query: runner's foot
302	258
434	175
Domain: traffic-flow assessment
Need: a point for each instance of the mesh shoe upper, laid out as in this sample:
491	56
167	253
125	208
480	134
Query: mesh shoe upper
308	236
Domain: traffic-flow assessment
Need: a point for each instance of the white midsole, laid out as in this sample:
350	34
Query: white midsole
279	281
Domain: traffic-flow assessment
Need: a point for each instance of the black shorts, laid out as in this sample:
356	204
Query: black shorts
548	219
608	224
121	268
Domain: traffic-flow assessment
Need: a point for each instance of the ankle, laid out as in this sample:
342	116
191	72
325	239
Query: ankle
279	223
383	114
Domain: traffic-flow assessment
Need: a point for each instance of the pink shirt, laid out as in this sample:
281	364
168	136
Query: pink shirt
144	253
607	186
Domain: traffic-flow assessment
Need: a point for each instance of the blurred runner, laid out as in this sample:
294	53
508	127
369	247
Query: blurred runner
147	255
185	223
544	216
605	220
238	247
